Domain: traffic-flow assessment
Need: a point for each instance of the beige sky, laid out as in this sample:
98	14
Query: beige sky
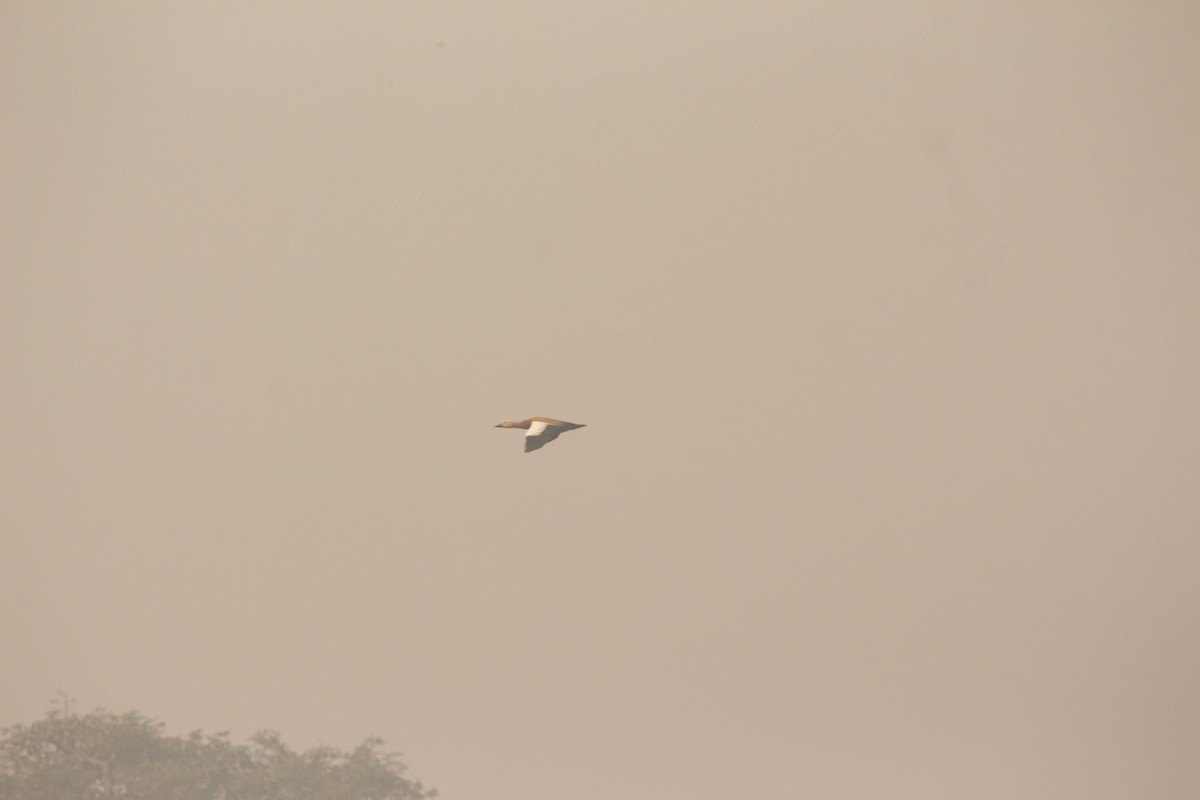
883	318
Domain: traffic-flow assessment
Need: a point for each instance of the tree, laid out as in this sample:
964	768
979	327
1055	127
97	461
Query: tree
102	755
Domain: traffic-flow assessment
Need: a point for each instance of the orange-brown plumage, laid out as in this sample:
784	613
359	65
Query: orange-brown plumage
540	431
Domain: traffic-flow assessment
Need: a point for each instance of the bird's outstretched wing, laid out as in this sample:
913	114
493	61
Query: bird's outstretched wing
540	434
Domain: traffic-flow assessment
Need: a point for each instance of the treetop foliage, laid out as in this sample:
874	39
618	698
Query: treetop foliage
103	755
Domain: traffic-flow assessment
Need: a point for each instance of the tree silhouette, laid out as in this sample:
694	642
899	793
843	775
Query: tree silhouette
102	755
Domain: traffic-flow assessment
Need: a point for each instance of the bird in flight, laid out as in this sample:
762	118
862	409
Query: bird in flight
540	431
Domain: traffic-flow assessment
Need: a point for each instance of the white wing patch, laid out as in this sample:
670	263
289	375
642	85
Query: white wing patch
539	434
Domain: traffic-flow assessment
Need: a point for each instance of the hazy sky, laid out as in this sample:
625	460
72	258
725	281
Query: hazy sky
884	319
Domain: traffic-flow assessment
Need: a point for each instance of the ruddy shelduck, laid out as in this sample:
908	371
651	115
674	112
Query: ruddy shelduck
540	431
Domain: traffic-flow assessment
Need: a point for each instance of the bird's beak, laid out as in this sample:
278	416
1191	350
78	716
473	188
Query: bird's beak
499	426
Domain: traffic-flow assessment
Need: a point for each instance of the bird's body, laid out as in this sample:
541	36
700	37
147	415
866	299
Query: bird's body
540	431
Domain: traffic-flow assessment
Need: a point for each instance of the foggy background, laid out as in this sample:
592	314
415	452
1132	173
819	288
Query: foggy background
882	318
